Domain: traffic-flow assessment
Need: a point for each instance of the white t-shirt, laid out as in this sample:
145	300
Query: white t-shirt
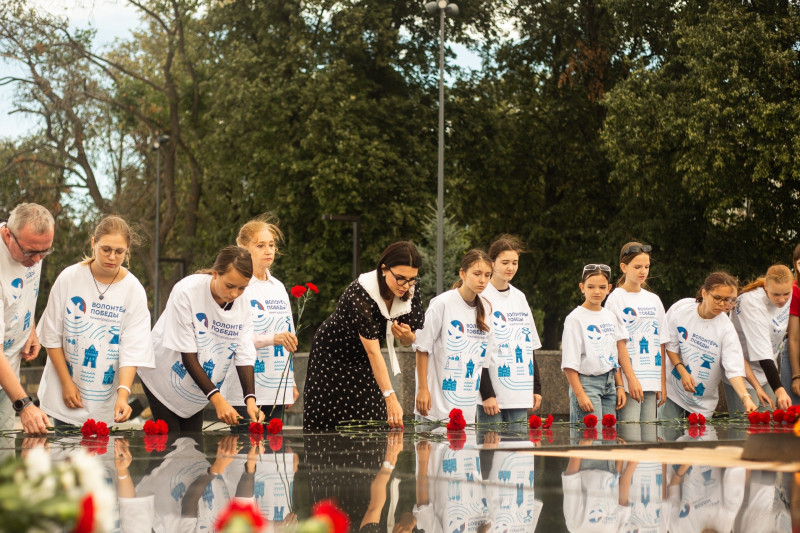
642	314
98	338
193	322
589	341
19	287
644	499
708	347
457	351
273	482
707	499
761	327
513	507
272	313
516	338
456	500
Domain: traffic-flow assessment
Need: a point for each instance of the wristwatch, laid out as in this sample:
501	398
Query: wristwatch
388	393
22	403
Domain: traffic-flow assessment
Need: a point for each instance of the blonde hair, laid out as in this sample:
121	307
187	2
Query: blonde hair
776	273
114	225
248	232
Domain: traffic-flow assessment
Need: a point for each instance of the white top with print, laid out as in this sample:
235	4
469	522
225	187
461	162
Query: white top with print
589	341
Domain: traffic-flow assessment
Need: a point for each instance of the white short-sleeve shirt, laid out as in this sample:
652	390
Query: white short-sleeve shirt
19	287
761	326
193	322
516	338
589	341
98	338
642	314
709	348
271	313
457	351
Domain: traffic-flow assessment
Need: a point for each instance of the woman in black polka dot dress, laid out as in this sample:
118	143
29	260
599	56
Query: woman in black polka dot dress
347	377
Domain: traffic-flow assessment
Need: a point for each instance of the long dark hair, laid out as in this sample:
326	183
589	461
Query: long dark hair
795	259
470	258
505	243
716	279
626	258
400	253
231	257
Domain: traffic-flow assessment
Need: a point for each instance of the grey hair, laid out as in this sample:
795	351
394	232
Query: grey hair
29	214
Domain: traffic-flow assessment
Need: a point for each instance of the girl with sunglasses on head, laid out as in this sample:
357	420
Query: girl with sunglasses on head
347	377
702	345
453	347
96	330
272	328
510	384
205	328
593	348
642	314
760	316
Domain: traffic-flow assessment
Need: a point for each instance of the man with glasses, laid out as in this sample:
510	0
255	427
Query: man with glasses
27	239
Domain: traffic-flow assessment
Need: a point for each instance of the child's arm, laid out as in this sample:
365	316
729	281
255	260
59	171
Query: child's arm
622	399
577	389
634	387
423	394
663	397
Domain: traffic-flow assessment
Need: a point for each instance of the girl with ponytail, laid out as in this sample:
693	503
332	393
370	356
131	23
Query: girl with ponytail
452	347
760	317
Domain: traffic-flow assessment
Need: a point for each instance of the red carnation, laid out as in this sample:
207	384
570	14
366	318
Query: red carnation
457	439
609	433
535	435
85	523
609	421
313	288
548	422
534	422
256	428
161	427
89	428
777	416
693	419
754	418
149	428
298	290
590	434
155	443
245	510
275	442
765	417
275	426
590	421
791	415
457	422
701	419
327	509
102	429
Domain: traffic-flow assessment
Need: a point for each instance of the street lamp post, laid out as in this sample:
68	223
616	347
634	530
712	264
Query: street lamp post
356	220
444	8
157	143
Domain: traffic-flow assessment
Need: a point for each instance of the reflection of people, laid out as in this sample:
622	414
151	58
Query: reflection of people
449	497
765	508
508	477
760	317
702	498
96	330
703	345
347	376
205	328
272	328
641	487
642	314
510	385
455	343
377	491
593	347
591	496
27	239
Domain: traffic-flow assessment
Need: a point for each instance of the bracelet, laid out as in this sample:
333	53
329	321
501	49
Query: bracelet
211	393
124	387
620	387
387	464
679	363
126	476
253	396
796	376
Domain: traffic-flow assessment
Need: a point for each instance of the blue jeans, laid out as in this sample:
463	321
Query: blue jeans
786	373
505	415
601	392
643	414
735	405
672	411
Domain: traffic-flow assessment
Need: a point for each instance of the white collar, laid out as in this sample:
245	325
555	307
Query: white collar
369	281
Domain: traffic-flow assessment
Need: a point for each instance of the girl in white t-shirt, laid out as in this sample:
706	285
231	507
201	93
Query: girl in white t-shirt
96	329
702	345
204	329
273	328
454	344
642	314
593	347
510	385
760	317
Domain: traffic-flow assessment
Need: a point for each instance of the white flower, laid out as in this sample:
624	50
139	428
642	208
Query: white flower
37	463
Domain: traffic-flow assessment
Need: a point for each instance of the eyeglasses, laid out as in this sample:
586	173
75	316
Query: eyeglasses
721	299
30	253
636	249
107	250
404	282
591	267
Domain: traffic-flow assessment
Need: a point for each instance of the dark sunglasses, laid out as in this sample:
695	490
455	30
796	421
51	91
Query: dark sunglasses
636	249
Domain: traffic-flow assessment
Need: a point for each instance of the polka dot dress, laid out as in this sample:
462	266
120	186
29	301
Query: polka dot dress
340	384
